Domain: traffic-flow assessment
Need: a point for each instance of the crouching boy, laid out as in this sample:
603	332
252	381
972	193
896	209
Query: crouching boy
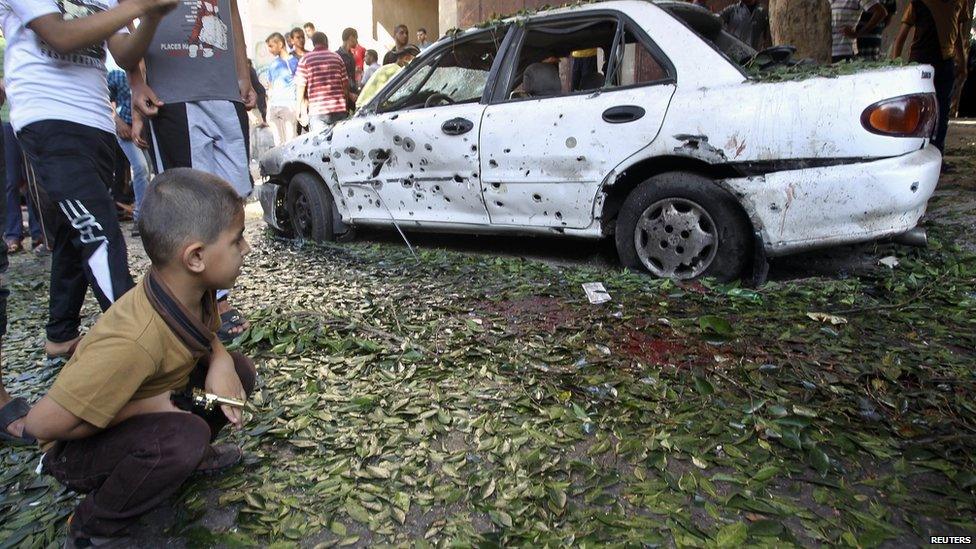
116	424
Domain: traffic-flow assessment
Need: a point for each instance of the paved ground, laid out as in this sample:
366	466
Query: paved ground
474	396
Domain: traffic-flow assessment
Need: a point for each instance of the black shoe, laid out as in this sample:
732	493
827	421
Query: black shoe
218	458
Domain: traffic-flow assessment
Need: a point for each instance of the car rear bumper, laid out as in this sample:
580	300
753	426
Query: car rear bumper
818	207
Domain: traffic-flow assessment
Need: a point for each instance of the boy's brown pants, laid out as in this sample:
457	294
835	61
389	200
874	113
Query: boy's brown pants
130	468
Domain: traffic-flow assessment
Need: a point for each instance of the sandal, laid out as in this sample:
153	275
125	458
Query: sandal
14	246
228	321
15	409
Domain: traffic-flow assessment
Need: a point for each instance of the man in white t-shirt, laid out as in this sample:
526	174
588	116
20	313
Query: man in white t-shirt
56	84
844	16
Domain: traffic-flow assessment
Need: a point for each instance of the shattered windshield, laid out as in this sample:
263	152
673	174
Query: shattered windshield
458	74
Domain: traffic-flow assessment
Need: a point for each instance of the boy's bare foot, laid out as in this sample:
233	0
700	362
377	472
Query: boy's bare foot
61	350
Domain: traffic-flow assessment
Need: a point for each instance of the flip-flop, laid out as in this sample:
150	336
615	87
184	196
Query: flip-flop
11	412
228	321
13	247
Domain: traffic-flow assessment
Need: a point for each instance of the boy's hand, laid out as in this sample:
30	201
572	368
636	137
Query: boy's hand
222	380
137	131
144	99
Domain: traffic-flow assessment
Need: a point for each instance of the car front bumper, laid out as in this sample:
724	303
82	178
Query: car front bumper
271	196
819	207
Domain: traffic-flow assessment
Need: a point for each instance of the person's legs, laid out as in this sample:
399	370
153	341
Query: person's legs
140	173
14	172
169	137
219	142
945	76
282	121
15	427
127	470
73	164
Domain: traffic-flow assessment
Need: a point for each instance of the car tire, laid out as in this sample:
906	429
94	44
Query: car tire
310	209
682	225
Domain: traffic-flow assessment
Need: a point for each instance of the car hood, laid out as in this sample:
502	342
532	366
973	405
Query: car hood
306	149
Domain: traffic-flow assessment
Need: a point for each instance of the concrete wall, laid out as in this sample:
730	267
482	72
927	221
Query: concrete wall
373	19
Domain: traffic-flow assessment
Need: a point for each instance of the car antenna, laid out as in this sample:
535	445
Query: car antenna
395	224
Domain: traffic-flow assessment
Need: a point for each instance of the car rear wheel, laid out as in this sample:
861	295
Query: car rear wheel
310	208
681	225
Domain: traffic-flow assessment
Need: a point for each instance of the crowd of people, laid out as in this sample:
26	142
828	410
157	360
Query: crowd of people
308	86
120	423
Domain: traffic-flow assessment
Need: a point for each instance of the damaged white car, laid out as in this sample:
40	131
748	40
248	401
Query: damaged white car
628	119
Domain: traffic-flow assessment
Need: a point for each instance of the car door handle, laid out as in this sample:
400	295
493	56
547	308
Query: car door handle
457	126
623	114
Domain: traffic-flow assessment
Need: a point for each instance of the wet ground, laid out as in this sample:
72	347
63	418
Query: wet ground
475	396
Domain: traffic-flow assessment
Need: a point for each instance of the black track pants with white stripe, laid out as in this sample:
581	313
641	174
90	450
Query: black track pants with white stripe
71	168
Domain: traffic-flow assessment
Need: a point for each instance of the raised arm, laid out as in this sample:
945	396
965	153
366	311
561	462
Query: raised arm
66	36
129	49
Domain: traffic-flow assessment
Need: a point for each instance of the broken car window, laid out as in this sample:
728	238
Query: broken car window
456	75
577	57
708	26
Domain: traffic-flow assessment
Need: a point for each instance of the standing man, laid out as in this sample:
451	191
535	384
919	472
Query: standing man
401	37
422	42
296	39
348	52
844	16
749	22
121	96
309	28
281	93
385	73
57	86
322	74
939	36
197	90
869	40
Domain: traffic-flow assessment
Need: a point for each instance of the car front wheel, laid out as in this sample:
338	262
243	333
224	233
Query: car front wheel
681	225
310	208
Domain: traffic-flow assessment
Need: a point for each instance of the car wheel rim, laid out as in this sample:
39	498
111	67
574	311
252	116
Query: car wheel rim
302	216
676	238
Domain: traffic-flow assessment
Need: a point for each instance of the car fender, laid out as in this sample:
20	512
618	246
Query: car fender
307	153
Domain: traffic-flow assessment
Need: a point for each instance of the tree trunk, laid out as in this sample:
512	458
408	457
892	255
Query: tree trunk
804	24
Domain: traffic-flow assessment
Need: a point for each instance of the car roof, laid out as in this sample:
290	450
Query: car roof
586	6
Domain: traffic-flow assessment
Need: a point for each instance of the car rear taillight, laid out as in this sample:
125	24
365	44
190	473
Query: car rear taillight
906	116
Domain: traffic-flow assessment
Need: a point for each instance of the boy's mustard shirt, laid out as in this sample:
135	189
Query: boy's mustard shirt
130	354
